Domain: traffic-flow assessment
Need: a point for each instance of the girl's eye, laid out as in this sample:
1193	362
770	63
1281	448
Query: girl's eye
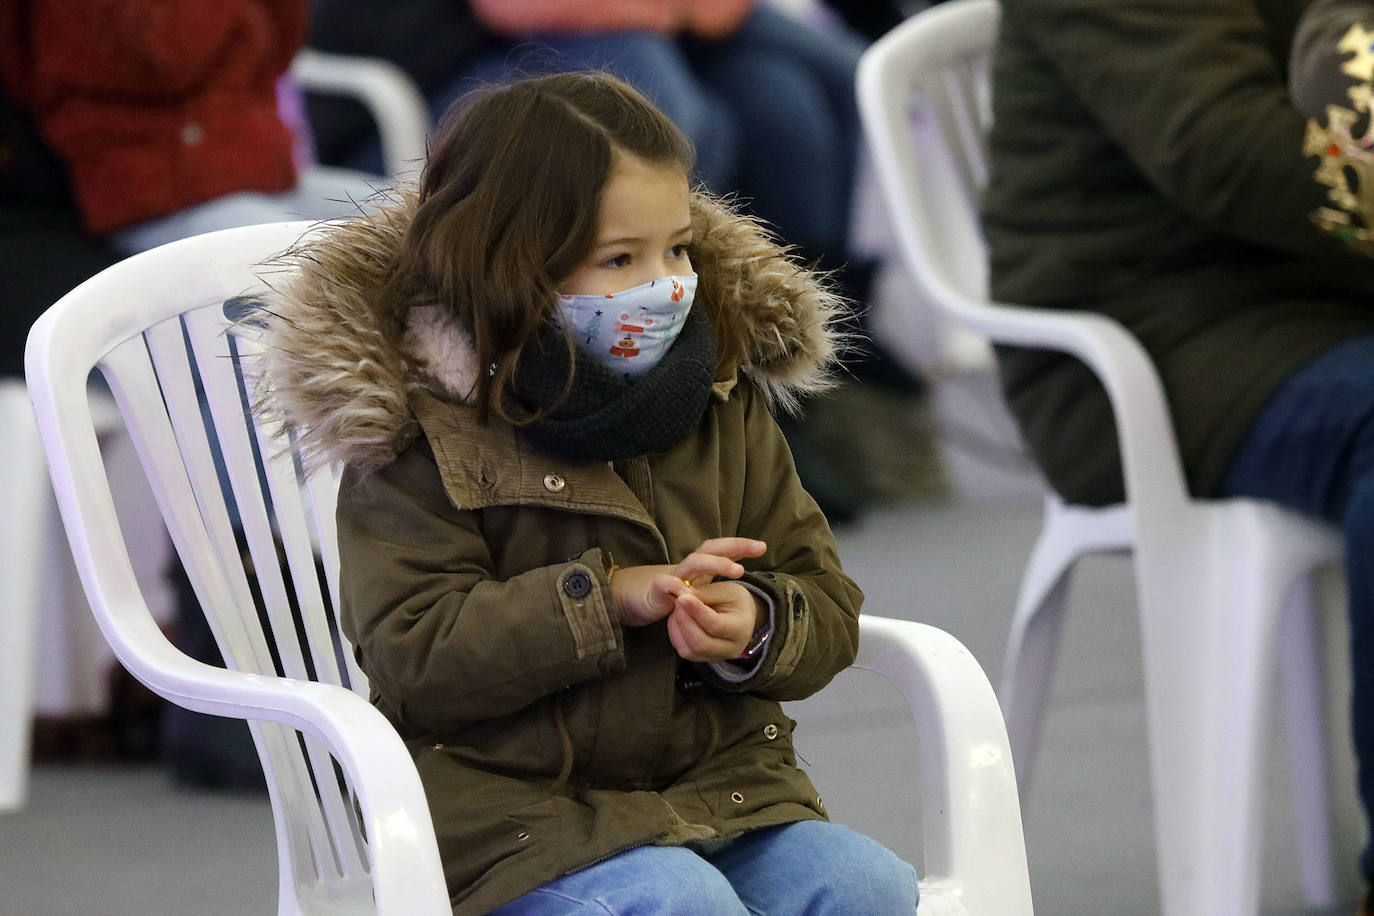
617	262
678	251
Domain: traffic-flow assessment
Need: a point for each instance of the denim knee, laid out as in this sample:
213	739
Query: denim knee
867	877
820	868
647	881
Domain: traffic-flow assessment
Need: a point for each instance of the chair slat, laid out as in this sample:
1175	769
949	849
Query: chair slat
207	330
336	853
323	487
232	432
243	647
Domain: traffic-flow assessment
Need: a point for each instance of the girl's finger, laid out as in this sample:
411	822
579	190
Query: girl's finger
700	568
711	622
683	636
664	589
691	641
734	548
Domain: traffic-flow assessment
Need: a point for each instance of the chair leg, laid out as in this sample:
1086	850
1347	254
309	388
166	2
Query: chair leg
1300	658
1028	665
1209	617
29	511
1033	643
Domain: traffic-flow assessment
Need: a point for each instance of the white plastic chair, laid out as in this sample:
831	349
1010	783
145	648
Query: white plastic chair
33	573
389	95
294	678
1219	583
25	530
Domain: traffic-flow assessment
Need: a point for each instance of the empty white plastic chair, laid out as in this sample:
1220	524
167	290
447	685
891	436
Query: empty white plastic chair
289	669
35	577
390	96
25	530
1220	584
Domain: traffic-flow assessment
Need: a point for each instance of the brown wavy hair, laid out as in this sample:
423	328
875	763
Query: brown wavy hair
508	205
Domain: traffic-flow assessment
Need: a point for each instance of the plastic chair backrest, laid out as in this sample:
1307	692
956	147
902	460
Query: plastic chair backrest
935	82
390	96
160	327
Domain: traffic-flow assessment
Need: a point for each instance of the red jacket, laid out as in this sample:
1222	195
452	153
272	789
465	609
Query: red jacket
155	105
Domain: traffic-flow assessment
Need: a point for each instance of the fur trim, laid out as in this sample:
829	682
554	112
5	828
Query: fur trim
778	317
328	370
325	368
443	350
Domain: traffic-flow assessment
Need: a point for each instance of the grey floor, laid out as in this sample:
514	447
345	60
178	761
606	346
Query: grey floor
104	840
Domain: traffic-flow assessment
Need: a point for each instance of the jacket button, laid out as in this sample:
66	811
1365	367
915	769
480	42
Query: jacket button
192	134
577	585
737	798
770	731
522	836
553	483
437	747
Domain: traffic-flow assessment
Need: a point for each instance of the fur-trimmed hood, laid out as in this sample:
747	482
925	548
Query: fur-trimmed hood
328	371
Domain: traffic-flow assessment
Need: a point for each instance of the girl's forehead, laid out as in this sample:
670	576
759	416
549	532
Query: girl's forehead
644	196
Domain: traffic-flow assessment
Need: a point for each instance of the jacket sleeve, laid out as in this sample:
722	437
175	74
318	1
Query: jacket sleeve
1192	93
443	642
815	605
160	49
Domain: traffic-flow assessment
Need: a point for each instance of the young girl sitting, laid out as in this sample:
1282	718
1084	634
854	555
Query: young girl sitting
577	565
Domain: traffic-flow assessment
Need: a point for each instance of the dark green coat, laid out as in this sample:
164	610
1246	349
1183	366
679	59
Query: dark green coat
1148	163
476	590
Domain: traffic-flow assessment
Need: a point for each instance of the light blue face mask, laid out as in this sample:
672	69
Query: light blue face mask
628	332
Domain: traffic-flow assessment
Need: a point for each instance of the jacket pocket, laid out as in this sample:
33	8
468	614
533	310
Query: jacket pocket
757	775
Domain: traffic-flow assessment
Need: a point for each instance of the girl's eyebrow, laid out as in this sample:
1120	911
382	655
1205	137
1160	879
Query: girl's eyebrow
625	240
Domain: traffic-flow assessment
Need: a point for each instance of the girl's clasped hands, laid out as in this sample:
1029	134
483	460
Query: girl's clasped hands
710	617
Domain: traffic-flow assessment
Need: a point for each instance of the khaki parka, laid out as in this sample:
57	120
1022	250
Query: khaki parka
475	572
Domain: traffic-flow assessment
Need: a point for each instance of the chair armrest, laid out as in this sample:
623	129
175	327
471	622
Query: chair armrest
1145	431
392	98
401	847
970	808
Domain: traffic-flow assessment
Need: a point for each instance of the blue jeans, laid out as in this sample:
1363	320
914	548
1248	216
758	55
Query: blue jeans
1312	449
810	867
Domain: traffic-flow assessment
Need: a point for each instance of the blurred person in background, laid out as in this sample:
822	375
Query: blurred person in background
166	113
1199	173
129	124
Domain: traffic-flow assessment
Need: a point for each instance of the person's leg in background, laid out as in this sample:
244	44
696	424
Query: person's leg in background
792	84
791	87
819	868
1312	449
653	64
